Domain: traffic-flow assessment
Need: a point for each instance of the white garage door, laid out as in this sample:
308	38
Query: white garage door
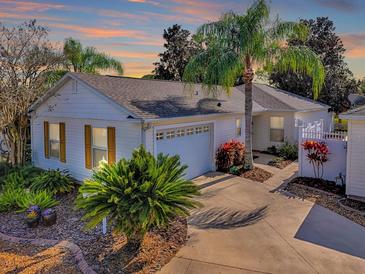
193	144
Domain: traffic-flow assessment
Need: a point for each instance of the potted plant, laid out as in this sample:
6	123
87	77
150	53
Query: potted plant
49	217
32	219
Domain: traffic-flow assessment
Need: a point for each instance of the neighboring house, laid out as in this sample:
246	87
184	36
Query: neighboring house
87	118
355	171
280	114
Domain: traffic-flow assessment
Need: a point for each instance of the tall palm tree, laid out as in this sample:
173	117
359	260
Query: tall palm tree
88	59
237	45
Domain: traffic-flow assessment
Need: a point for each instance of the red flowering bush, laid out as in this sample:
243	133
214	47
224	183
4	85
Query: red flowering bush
317	155
230	154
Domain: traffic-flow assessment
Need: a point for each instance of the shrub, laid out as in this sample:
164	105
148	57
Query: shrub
20	199
43	199
230	154
19	176
288	151
317	155
272	150
53	181
9	198
4	168
234	170
137	194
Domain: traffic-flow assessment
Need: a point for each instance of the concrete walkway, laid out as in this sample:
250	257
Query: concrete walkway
248	227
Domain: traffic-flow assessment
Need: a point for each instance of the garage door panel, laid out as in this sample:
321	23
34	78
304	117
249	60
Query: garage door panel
192	144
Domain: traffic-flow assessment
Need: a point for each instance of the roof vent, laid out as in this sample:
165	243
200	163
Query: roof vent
196	92
219	104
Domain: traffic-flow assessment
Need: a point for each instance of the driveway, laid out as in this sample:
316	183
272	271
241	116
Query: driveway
248	227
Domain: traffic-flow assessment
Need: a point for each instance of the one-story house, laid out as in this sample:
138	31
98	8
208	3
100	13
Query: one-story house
355	171
86	118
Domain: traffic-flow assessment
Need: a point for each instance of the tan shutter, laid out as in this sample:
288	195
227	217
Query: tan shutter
46	138
88	160
63	142
111	145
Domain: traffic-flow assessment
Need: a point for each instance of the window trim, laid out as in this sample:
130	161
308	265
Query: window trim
50	141
276	128
98	147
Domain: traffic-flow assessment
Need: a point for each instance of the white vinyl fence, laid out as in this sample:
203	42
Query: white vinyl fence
335	167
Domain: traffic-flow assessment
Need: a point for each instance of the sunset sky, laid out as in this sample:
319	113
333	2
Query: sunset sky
131	30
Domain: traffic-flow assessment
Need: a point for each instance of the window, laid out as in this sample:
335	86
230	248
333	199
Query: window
238	127
206	128
180	133
277	129
99	145
159	136
198	130
54	140
170	134
190	131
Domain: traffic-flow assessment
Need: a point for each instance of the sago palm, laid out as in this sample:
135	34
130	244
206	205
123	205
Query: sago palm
137	194
237	45
88	59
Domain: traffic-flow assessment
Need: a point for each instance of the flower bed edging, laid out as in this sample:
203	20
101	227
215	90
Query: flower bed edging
319	190
73	248
349	208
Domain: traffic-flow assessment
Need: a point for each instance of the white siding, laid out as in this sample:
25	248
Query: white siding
355	181
311	116
261	129
128	137
225	130
76	100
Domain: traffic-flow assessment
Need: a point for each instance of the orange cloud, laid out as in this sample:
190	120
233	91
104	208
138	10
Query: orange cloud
133	54
22	16
22	6
94	32
354	44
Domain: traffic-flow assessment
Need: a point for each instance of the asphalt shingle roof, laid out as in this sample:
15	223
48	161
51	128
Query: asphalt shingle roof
151	99
356	112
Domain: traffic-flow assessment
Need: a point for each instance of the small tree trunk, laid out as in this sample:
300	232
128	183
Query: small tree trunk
134	241
248	76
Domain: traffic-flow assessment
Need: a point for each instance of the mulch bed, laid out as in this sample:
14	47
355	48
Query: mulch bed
281	164
20	258
257	174
324	185
104	253
357	205
329	200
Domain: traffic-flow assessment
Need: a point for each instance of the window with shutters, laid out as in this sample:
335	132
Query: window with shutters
54	141
99	146
277	129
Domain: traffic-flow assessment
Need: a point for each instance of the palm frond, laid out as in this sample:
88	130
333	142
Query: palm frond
302	60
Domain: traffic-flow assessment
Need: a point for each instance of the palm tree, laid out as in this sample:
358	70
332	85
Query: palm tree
88	59
238	44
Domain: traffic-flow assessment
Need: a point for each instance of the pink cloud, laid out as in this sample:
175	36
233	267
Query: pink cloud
94	32
354	44
22	6
23	16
